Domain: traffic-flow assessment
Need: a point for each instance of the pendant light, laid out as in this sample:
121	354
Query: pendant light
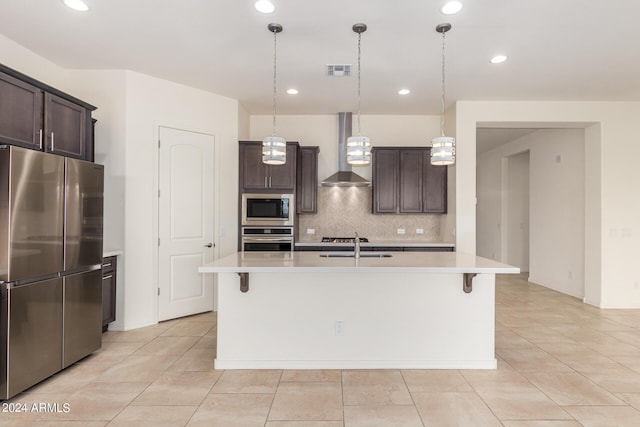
443	148
359	147
274	148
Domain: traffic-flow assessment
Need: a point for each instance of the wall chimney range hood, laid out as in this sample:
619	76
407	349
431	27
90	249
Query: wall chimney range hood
344	177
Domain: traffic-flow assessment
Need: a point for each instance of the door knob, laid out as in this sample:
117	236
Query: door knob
208	245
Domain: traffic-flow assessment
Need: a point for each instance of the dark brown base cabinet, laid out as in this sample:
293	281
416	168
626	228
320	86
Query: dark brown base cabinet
404	181
109	269
256	177
39	117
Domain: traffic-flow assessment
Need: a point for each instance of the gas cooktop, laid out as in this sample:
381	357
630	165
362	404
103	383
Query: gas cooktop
342	239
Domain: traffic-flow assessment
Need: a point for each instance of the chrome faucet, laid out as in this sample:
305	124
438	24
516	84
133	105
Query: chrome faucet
356	246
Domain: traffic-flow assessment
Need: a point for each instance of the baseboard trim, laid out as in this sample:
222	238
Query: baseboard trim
355	364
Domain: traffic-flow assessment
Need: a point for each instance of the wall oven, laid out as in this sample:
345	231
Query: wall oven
268	210
267	239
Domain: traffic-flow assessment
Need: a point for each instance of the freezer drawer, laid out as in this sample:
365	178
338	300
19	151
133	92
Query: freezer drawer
82	315
32	340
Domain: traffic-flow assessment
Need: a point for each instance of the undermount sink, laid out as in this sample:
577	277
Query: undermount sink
352	255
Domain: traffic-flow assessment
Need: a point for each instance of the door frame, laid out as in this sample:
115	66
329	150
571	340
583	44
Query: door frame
157	125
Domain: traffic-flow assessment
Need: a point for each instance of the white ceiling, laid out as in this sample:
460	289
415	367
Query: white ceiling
558	49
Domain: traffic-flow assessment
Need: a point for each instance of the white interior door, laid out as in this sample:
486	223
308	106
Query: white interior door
186	222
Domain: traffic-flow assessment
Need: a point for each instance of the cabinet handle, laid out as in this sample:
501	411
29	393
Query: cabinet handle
269	182
40	139
53	145
265	182
107	277
108	264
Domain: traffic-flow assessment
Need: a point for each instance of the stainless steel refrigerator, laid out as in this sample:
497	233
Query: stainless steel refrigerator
51	212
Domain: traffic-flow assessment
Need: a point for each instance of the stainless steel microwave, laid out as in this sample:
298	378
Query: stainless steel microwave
268	209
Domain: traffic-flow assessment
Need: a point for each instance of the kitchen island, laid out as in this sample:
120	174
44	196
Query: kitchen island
303	310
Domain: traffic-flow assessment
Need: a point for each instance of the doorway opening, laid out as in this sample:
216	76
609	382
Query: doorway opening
531	203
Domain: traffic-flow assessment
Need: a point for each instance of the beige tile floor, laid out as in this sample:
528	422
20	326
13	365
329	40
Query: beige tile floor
560	363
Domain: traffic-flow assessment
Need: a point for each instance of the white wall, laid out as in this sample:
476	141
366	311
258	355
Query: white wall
244	123
556	201
612	202
517	206
152	102
27	62
323	132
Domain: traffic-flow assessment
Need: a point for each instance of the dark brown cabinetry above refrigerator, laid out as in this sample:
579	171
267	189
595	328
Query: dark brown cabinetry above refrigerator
404	181
39	117
256	177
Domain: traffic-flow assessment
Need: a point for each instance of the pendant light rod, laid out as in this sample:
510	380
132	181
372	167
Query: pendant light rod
275	29
359	28
443	148
442	29
274	148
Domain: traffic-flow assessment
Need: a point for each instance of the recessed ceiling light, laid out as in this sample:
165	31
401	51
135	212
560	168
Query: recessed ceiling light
498	59
292	91
78	5
264	6
451	7
404	92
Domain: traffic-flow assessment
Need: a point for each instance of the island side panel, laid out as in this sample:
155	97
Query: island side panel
389	320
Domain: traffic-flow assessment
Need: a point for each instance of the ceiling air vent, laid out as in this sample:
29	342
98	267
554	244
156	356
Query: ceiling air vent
339	70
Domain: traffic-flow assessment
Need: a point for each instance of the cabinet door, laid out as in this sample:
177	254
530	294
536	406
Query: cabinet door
108	291
385	181
65	127
283	177
20	113
253	172
307	185
435	186
411	182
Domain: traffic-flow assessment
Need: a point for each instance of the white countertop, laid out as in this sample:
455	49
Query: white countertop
109	253
291	262
396	243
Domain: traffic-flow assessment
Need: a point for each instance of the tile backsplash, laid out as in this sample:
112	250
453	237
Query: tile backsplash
343	211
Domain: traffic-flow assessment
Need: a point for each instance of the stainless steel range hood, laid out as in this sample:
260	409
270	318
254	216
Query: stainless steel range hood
344	177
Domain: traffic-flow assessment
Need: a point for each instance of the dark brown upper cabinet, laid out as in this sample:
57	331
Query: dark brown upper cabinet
20	113
255	176
37	116
307	180
65	127
404	181
385	180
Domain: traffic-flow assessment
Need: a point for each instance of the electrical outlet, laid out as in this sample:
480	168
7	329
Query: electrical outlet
401	230
311	231
339	328
571	275
419	230
636	285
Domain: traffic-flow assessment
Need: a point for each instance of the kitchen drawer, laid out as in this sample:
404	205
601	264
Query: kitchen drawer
109	270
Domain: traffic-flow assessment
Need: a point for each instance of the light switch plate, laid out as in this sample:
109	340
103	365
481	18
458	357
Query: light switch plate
311	231
419	230
401	230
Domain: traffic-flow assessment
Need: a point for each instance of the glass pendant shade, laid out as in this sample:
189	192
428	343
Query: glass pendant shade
274	150
358	150
443	151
